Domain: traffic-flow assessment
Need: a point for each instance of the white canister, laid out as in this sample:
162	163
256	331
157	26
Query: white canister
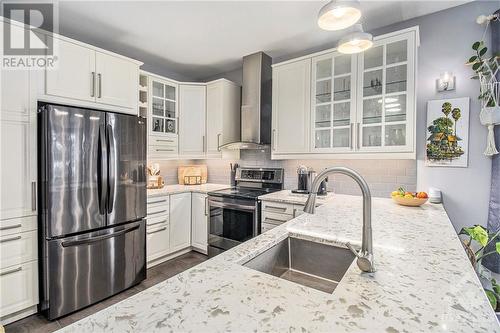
435	195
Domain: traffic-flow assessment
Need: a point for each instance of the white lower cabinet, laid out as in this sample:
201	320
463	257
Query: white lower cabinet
158	241
199	222
277	213
19	288
180	221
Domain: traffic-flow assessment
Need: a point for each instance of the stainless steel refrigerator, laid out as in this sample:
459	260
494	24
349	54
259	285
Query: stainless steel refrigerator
92	191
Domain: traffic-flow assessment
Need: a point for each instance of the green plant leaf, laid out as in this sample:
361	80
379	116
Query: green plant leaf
473	58
478	233
482	52
496	287
476	66
492	298
497	246
475	46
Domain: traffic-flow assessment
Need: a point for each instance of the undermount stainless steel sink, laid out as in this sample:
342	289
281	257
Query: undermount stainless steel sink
310	264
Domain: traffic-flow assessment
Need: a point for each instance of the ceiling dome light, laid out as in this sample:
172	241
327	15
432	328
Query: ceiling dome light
356	41
338	15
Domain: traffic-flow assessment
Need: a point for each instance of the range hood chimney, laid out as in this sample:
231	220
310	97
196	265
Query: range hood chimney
255	103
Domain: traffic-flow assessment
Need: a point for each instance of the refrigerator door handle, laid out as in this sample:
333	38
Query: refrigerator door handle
111	168
98	238
102	177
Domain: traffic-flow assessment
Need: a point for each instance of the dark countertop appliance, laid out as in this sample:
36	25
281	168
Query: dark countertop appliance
235	212
92	190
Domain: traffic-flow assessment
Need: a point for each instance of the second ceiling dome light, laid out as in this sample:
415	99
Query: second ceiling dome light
338	15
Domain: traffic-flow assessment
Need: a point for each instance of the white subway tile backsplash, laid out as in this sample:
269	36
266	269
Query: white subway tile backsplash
383	176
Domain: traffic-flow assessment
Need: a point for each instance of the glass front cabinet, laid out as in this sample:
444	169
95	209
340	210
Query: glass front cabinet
364	103
164	114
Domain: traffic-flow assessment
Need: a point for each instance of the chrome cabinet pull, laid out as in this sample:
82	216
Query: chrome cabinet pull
165	150
294	212
162	221
155	231
277	208
92	85
218	141
11	271
33	196
273	221
11	227
204	144
358	134
159	212
351	136
274	140
10	239
99	81
164	140
155	202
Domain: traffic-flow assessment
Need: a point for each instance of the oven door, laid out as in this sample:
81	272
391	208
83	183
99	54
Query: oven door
231	222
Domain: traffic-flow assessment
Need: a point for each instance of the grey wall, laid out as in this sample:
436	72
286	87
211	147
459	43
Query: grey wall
446	39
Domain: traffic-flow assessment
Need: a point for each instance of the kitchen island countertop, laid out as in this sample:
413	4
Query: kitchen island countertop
423	283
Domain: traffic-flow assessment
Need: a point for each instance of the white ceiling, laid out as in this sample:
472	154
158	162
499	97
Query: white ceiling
204	38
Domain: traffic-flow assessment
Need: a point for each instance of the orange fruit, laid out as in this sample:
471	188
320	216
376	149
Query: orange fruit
422	195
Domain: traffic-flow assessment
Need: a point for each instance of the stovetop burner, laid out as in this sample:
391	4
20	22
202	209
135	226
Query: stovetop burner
242	192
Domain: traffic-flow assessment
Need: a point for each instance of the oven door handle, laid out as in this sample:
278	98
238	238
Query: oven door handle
231	206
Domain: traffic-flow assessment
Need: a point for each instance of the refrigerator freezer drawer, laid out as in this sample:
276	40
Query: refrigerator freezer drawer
87	268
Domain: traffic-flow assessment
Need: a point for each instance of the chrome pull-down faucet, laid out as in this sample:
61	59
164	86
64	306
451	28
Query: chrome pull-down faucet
365	256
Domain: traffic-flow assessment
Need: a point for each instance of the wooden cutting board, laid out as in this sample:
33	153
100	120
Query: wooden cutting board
192	170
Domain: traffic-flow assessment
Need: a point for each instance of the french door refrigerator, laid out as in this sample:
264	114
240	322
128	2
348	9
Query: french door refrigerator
92	190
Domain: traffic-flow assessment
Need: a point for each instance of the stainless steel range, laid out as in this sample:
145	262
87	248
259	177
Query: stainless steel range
235	212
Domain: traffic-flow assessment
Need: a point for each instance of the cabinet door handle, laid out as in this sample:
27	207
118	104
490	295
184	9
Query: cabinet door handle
156	213
274	221
99	82
351	136
11	227
160	222
11	271
218	141
206	206
9	239
155	231
358	135
33	196
274	140
203	143
277	208
165	150
155	202
294	212
163	140
92	84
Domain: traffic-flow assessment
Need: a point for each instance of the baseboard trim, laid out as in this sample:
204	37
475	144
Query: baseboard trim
18	315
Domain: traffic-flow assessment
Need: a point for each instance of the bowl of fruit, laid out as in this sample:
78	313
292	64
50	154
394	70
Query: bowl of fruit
405	198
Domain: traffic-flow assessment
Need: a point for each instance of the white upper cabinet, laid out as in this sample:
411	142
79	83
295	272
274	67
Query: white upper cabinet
192	104
291	107
85	74
75	74
386	106
333	102
117	81
361	106
223	115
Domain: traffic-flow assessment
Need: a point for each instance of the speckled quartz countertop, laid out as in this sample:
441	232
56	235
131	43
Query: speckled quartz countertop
423	283
286	196
173	189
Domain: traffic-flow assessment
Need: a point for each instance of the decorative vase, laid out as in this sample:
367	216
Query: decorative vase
490	116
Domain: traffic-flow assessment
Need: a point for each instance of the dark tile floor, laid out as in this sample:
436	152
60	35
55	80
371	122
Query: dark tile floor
163	271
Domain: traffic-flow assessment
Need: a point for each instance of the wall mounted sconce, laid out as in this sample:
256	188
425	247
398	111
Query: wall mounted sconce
446	82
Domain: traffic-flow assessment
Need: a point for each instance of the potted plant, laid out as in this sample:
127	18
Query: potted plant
475	245
487	72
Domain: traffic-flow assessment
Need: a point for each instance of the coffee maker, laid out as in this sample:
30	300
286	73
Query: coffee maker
303	180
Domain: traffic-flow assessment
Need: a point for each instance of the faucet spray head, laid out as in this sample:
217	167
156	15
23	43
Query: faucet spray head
310	203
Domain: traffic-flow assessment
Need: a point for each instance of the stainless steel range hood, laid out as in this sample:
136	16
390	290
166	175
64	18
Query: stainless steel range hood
255	103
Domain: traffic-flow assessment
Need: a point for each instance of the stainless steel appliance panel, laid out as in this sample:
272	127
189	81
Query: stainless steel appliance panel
90	267
73	175
127	168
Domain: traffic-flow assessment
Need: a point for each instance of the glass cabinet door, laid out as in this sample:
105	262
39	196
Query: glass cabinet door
386	89
333	106
163	107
